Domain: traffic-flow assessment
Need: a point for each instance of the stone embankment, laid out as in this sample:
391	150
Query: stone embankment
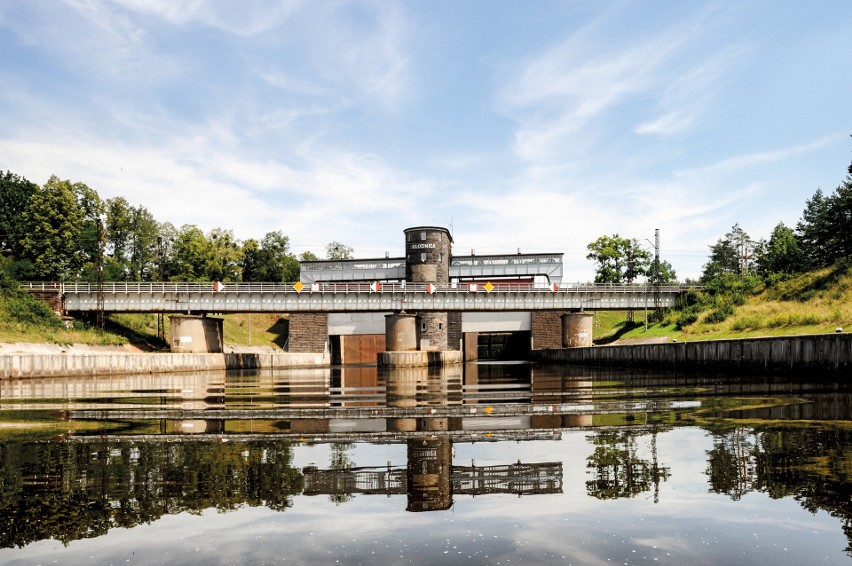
817	355
21	361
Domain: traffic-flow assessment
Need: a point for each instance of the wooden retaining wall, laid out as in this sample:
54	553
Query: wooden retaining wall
816	354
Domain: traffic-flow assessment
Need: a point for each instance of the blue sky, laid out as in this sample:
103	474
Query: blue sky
532	125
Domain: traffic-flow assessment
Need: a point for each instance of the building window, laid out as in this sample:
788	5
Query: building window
422	235
423	258
423	326
440	326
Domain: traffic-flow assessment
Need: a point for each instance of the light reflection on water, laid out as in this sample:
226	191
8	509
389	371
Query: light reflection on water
486	464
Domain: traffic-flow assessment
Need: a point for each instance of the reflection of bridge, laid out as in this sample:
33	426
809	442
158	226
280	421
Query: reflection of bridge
351	297
518	479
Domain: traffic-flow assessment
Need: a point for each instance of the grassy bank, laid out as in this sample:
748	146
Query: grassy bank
24	319
812	303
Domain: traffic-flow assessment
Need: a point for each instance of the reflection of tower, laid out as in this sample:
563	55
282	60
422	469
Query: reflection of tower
427	260
429	464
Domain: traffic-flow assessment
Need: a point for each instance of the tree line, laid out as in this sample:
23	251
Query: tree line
822	238
63	230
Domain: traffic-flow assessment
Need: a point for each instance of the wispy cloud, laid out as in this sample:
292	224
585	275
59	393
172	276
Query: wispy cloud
245	18
740	162
688	94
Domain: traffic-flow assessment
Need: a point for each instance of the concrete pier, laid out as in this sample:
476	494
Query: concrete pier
577	329
192	334
401	332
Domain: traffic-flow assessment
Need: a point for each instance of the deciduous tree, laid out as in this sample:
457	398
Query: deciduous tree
336	250
15	194
619	260
54	221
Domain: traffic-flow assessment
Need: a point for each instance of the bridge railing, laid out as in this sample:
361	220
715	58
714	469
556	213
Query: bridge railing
78	287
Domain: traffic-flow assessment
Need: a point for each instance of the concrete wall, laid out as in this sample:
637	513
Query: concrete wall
823	354
51	365
496	321
355	323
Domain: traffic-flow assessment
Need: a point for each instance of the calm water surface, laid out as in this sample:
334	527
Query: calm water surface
486	464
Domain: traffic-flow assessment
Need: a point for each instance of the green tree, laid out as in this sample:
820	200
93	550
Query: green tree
92	207
781	254
226	257
815	231
119	226
667	273
840	220
190	255
15	194
619	260
336	250
732	253
308	256
54	221
269	259
144	233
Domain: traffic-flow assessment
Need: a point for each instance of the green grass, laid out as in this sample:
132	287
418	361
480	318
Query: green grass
138	329
812	303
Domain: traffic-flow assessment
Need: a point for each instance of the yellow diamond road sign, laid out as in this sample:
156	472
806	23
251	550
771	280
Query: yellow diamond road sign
298	286
489	287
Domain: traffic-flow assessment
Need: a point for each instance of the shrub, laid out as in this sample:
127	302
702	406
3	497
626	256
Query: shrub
687	316
720	314
25	308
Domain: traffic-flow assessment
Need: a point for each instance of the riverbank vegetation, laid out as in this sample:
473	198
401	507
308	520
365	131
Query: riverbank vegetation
797	281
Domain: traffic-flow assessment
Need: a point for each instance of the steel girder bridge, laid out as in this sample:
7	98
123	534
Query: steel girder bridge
215	297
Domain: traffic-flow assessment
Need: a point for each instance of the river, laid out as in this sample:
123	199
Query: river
487	463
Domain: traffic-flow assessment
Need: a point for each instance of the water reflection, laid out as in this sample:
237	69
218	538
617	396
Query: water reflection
129	451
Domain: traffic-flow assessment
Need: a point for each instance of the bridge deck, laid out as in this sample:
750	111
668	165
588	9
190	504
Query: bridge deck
351	297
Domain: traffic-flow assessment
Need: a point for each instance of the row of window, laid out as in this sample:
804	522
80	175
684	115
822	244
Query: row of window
423	236
412	258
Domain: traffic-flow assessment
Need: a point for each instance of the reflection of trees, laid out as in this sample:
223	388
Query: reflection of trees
814	466
618	469
68	491
730	464
340	461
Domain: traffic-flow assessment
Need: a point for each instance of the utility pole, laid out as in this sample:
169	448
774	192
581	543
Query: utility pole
99	312
657	281
161	321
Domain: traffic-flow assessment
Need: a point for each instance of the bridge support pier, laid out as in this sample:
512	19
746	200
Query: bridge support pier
193	334
577	329
401	333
